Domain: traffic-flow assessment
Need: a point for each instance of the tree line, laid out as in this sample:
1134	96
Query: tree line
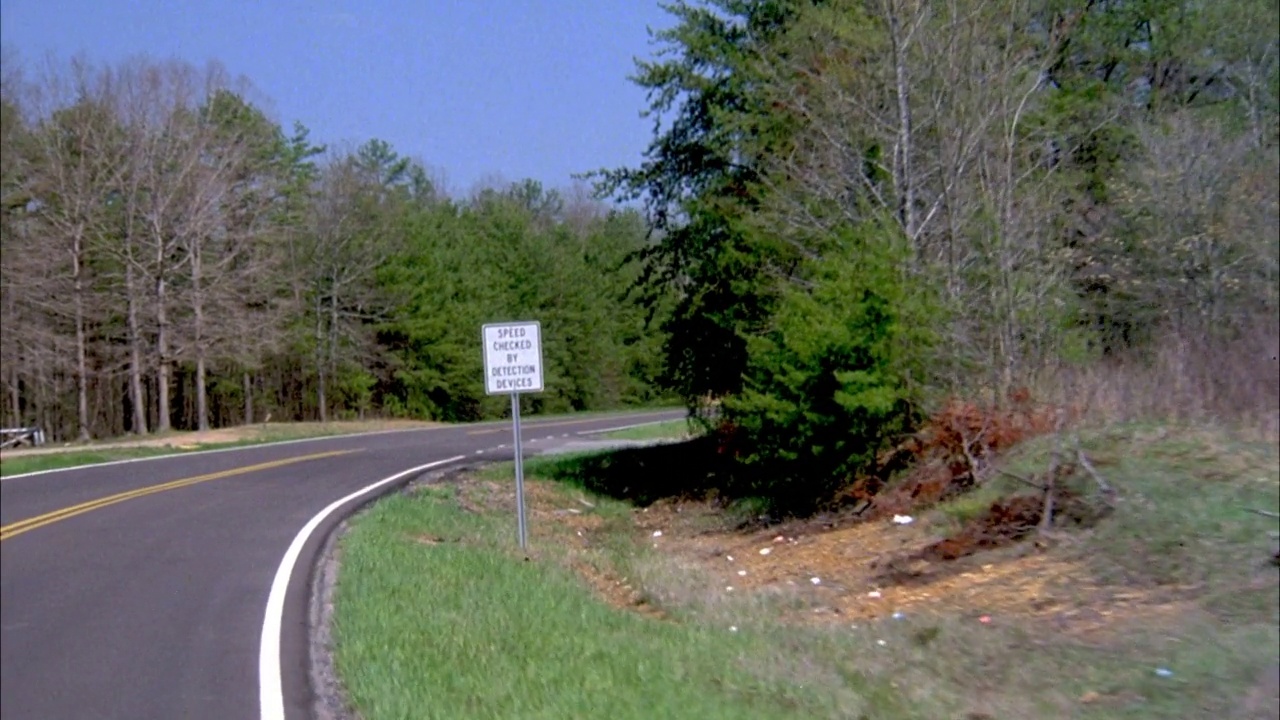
867	205
172	258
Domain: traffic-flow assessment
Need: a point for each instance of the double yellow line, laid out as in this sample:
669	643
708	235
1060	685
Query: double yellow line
17	528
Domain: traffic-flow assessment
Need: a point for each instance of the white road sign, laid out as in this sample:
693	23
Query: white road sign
512	358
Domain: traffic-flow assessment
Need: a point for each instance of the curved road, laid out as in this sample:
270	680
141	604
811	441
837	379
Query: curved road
140	590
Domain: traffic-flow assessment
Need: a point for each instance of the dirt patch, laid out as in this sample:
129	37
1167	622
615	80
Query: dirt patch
845	568
873	569
857	563
949	454
1263	700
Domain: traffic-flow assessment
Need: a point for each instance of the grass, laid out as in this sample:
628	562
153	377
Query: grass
464	626
92	455
76	458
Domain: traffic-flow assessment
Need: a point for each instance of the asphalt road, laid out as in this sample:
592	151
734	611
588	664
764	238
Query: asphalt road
138	590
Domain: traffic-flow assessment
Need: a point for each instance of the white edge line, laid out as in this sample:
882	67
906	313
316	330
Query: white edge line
270	684
625	427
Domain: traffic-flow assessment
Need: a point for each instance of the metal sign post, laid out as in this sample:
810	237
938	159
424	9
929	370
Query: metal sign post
512	365
521	527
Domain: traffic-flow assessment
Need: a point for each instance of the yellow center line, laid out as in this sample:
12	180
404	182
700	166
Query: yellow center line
21	526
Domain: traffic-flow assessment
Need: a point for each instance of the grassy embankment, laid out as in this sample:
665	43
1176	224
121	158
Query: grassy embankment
439	616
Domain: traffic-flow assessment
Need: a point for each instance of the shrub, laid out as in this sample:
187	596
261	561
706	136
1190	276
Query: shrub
830	383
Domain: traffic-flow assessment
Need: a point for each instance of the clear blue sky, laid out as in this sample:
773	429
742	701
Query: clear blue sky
480	88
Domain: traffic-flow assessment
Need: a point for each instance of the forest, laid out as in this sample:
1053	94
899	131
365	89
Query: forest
865	209
174	259
849	211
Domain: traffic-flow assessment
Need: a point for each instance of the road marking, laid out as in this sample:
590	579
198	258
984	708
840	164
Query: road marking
22	526
625	427
270	684
535	425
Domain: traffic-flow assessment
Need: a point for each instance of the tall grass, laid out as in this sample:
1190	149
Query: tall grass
1187	378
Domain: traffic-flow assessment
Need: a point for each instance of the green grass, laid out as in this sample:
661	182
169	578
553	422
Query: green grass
467	628
91	454
76	458
651	431
1181	519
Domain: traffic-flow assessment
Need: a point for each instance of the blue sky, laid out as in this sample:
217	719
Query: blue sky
476	89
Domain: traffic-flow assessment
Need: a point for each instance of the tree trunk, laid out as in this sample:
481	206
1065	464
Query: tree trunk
163	423
904	180
202	393
248	398
321	362
333	335
16	398
135	356
82	372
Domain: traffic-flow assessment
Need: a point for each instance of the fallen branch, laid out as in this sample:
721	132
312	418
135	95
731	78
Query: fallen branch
1264	513
1051	481
968	456
1024	481
1108	492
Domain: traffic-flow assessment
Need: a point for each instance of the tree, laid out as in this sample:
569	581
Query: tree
836	377
233	270
78	153
700	178
349	236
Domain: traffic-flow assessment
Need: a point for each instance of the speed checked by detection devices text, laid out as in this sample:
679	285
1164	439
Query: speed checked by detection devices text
512	358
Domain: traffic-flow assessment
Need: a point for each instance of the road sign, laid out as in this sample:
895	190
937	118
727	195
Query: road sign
512	358
513	364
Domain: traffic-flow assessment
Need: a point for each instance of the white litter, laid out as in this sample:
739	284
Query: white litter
728	588
815	581
903	519
873	594
765	551
881	643
729	558
657	533
733	628
742	572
